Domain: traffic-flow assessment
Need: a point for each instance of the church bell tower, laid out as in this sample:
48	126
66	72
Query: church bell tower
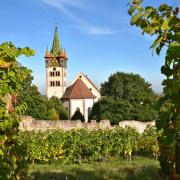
56	69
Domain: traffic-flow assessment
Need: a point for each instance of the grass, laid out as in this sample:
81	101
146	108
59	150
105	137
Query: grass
140	168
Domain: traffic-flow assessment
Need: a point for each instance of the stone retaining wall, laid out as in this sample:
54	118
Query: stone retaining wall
29	124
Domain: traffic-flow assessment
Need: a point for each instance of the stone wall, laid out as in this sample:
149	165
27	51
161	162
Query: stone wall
29	124
138	125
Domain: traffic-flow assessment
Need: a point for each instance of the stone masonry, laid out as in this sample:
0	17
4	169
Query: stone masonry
30	124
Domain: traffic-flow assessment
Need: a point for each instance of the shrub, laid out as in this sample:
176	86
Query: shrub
82	145
78	115
12	77
53	115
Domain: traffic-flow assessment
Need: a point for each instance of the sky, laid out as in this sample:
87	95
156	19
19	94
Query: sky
96	34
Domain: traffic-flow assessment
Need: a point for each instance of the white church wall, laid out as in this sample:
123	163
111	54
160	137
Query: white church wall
88	104
83	106
66	104
76	103
57	91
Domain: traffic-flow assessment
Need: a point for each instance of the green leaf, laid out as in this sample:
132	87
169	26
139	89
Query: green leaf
148	30
136	17
156	42
131	10
173	51
177	122
163	7
166	71
148	11
165	25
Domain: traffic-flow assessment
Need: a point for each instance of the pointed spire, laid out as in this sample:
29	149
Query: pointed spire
48	54
56	44
65	54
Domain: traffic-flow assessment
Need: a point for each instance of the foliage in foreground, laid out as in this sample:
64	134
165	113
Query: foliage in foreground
127	96
164	23
82	145
11	80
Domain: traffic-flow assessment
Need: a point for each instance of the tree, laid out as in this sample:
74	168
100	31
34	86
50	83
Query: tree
52	114
126	97
39	106
11	80
55	103
127	86
36	103
164	23
78	115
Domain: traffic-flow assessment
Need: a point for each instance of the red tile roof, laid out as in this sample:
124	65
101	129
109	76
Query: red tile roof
78	91
48	54
63	54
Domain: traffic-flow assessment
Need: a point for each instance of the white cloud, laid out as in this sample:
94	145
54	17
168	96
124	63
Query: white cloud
65	5
98	30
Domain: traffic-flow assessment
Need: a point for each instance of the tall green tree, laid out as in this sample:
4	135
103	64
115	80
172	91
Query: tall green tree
126	96
38	106
127	86
36	103
11	80
56	104
78	115
163	22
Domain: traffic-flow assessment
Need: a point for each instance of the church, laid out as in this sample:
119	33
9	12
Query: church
81	94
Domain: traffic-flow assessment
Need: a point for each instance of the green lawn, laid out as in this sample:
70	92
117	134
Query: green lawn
139	168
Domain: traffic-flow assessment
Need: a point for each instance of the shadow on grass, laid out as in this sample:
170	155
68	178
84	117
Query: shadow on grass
144	173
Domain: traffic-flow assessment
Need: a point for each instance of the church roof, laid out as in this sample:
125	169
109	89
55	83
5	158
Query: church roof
48	54
56	44
63	54
90	82
78	91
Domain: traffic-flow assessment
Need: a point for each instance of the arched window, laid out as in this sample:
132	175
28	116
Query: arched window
58	83
51	83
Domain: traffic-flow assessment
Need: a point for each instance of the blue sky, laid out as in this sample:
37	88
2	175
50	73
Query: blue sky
96	34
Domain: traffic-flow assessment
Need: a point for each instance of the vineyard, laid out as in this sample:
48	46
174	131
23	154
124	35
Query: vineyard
87	146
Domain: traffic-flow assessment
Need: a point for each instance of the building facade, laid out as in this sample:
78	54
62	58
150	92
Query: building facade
82	94
56	69
95	91
78	96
